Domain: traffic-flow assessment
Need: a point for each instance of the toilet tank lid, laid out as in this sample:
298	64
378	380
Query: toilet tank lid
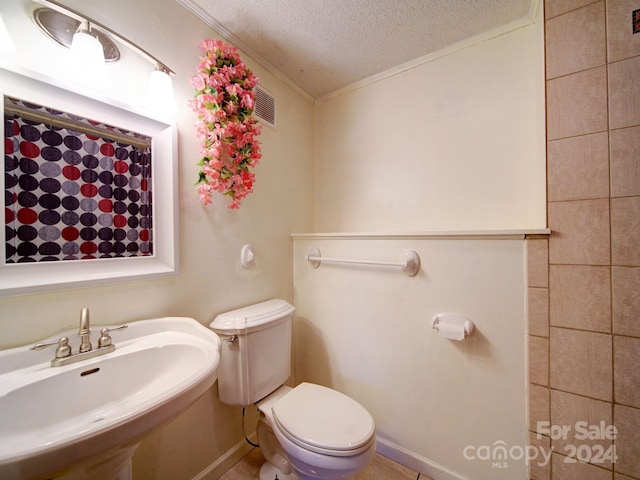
252	317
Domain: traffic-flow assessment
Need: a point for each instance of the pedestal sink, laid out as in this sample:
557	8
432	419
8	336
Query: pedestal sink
55	418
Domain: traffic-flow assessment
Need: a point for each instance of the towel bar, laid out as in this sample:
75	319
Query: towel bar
410	262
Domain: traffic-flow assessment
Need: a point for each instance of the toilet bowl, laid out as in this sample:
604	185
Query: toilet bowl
320	432
309	432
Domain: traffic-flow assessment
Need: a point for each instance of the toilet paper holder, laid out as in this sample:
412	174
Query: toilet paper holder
454	319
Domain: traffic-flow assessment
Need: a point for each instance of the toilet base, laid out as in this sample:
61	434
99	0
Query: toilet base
268	471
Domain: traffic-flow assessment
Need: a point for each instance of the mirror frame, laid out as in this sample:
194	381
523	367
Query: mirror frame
24	278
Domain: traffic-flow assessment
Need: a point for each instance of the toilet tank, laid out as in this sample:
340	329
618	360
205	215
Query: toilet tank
256	351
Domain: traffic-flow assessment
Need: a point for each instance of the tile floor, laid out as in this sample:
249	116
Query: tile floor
381	468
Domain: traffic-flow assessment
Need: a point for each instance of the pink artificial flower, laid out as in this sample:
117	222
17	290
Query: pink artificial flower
205	65
224	93
231	109
219	130
220	115
198	82
247	100
203	101
202	130
248	179
233	89
208	116
204	191
212	45
229	71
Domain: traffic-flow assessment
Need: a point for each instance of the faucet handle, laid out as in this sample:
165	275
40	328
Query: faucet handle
105	338
63	350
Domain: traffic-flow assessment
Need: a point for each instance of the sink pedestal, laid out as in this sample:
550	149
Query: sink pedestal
113	464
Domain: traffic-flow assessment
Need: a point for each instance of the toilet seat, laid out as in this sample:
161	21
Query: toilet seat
324	421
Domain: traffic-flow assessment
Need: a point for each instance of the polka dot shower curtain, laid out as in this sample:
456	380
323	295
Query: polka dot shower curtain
74	189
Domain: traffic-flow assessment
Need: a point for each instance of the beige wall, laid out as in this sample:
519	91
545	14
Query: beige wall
455	143
583	288
366	331
211	279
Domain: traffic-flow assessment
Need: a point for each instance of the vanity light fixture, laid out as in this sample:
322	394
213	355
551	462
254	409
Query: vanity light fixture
6	44
92	44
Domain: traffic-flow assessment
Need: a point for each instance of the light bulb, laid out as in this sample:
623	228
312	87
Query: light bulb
159	95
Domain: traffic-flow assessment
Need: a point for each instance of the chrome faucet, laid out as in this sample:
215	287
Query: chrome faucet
64	355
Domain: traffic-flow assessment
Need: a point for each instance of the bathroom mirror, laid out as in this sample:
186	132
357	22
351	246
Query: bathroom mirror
88	187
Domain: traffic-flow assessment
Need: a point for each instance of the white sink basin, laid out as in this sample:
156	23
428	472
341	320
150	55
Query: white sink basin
54	417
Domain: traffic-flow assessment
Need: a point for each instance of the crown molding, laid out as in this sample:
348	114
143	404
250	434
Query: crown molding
230	37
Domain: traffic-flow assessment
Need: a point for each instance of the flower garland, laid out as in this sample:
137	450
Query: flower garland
224	101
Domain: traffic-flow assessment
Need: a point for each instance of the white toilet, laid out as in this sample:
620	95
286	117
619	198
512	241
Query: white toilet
308	432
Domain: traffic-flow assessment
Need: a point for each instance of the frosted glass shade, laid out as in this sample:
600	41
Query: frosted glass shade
159	95
86	62
86	48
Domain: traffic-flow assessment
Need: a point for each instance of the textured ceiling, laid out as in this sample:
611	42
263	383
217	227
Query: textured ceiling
325	45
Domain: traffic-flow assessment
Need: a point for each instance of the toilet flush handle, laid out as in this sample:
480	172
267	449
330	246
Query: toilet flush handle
232	339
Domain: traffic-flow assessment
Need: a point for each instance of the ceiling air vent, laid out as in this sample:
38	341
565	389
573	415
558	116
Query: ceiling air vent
265	106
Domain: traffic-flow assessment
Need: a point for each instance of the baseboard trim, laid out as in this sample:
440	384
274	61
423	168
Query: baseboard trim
225	462
414	461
